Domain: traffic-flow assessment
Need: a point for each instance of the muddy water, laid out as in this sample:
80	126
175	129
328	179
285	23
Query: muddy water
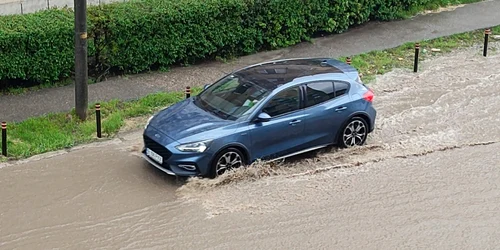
89	197
428	178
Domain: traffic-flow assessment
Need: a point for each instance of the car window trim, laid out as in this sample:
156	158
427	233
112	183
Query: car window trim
301	102
342	81
315	81
334	91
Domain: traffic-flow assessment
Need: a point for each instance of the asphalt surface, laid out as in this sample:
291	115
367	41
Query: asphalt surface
428	178
372	36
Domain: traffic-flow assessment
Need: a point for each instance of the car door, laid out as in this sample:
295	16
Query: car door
281	135
326	108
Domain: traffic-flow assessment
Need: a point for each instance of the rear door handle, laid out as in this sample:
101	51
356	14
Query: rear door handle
340	109
294	122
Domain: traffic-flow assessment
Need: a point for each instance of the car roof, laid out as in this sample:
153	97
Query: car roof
273	74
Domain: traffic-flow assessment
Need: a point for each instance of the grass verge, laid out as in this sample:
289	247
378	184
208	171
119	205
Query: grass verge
63	130
382	61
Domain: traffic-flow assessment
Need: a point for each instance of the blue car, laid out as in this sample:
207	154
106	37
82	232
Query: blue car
266	111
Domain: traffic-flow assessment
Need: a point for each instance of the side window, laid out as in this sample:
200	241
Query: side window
286	101
318	92
341	88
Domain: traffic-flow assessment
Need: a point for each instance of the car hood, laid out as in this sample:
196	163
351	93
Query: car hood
185	119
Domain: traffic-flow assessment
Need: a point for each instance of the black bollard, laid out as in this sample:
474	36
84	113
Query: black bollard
188	92
348	60
98	119
415	63
487	33
4	139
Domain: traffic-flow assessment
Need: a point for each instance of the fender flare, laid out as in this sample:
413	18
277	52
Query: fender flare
245	151
361	114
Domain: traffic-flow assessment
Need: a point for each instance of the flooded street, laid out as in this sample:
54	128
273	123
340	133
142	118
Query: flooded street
90	197
428	178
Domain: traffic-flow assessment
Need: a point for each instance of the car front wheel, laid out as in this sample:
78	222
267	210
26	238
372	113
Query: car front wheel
230	158
354	133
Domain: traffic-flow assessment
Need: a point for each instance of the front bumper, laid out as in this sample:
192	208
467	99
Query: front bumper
158	166
174	162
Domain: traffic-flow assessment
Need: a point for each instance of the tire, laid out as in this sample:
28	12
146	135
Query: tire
356	128
235	157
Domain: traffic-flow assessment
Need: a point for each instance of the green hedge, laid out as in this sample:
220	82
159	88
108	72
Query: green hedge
36	46
136	36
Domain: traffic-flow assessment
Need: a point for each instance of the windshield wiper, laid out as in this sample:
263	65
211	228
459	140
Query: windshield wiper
220	114
213	110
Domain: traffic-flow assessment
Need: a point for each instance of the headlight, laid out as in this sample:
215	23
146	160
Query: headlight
149	120
198	147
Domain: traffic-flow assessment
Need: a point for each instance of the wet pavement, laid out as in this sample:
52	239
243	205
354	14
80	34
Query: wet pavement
368	37
64	200
428	178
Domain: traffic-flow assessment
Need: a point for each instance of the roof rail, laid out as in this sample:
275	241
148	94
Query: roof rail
282	60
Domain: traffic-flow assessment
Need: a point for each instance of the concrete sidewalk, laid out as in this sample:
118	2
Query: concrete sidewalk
372	36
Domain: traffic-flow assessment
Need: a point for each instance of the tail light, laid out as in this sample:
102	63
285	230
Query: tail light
368	96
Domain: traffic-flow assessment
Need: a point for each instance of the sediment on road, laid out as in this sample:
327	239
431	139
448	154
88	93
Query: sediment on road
451	103
427	178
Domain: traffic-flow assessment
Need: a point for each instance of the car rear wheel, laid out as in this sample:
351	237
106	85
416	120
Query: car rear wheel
354	133
230	158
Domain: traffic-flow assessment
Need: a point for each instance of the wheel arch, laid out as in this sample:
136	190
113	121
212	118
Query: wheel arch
239	146
361	114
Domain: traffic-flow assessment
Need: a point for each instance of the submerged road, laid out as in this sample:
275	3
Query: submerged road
429	179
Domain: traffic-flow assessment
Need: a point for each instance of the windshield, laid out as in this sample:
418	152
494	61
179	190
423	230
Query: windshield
231	98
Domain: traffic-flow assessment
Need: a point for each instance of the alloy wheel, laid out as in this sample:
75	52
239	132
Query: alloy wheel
354	133
227	161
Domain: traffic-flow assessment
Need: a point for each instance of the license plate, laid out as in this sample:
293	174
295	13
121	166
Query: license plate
158	158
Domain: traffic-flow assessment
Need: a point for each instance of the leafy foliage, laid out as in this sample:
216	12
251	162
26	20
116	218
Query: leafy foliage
137	36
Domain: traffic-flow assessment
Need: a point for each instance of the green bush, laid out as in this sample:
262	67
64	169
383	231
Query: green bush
136	36
36	47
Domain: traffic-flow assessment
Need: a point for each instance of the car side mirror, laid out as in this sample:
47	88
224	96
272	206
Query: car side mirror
263	117
206	86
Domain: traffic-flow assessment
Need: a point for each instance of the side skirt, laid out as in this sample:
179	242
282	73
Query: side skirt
299	152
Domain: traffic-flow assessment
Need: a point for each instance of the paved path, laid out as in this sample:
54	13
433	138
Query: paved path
372	36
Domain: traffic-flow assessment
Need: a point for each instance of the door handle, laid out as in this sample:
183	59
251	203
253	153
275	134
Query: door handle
294	122
341	108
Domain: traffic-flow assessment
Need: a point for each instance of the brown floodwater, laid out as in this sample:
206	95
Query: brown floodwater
428	178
